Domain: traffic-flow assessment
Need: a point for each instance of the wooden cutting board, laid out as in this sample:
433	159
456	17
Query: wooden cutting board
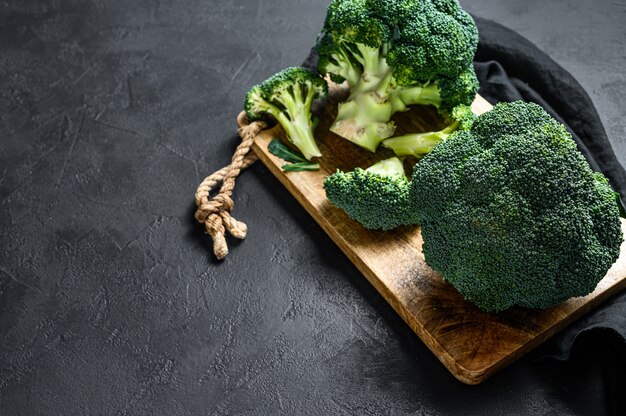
471	343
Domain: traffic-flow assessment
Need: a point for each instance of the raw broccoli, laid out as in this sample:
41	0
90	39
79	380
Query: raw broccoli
288	96
512	214
419	144
377	197
393	54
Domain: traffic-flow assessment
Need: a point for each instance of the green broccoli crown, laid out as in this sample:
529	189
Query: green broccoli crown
513	215
462	116
458	90
378	197
517	118
433	44
255	105
396	13
352	22
422	39
277	92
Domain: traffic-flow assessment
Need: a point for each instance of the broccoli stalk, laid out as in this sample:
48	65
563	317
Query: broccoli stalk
420	144
427	94
394	54
364	117
288	97
378	197
391	167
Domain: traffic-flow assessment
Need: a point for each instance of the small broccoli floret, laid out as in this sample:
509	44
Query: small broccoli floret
459	90
393	54
377	197
419	144
512	214
288	96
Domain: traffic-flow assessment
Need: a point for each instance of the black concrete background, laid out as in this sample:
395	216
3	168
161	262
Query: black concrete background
111	112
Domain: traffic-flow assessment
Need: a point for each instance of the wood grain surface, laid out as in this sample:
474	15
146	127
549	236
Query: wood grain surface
471	343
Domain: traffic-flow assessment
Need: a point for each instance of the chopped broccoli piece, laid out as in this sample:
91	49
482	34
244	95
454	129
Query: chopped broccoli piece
377	197
512	214
288	97
393	54
300	167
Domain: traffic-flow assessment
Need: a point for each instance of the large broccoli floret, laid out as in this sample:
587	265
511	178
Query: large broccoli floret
393	54
512	214
288	96
377	197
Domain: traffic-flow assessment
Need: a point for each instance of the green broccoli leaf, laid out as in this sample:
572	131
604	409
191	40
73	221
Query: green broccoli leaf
299	163
278	149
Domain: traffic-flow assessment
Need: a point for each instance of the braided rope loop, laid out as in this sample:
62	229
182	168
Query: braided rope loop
214	212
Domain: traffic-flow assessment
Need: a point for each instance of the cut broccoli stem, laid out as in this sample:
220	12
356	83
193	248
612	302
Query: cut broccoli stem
296	119
428	94
310	96
364	121
344	67
265	107
388	167
300	132
419	144
300	167
364	118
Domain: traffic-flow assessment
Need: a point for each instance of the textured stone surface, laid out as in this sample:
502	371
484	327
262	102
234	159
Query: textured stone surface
110	302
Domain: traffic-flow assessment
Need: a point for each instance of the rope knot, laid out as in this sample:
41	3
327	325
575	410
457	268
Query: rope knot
221	202
214	212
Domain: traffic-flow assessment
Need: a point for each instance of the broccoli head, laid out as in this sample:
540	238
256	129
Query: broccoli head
377	197
288	97
393	54
512	214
